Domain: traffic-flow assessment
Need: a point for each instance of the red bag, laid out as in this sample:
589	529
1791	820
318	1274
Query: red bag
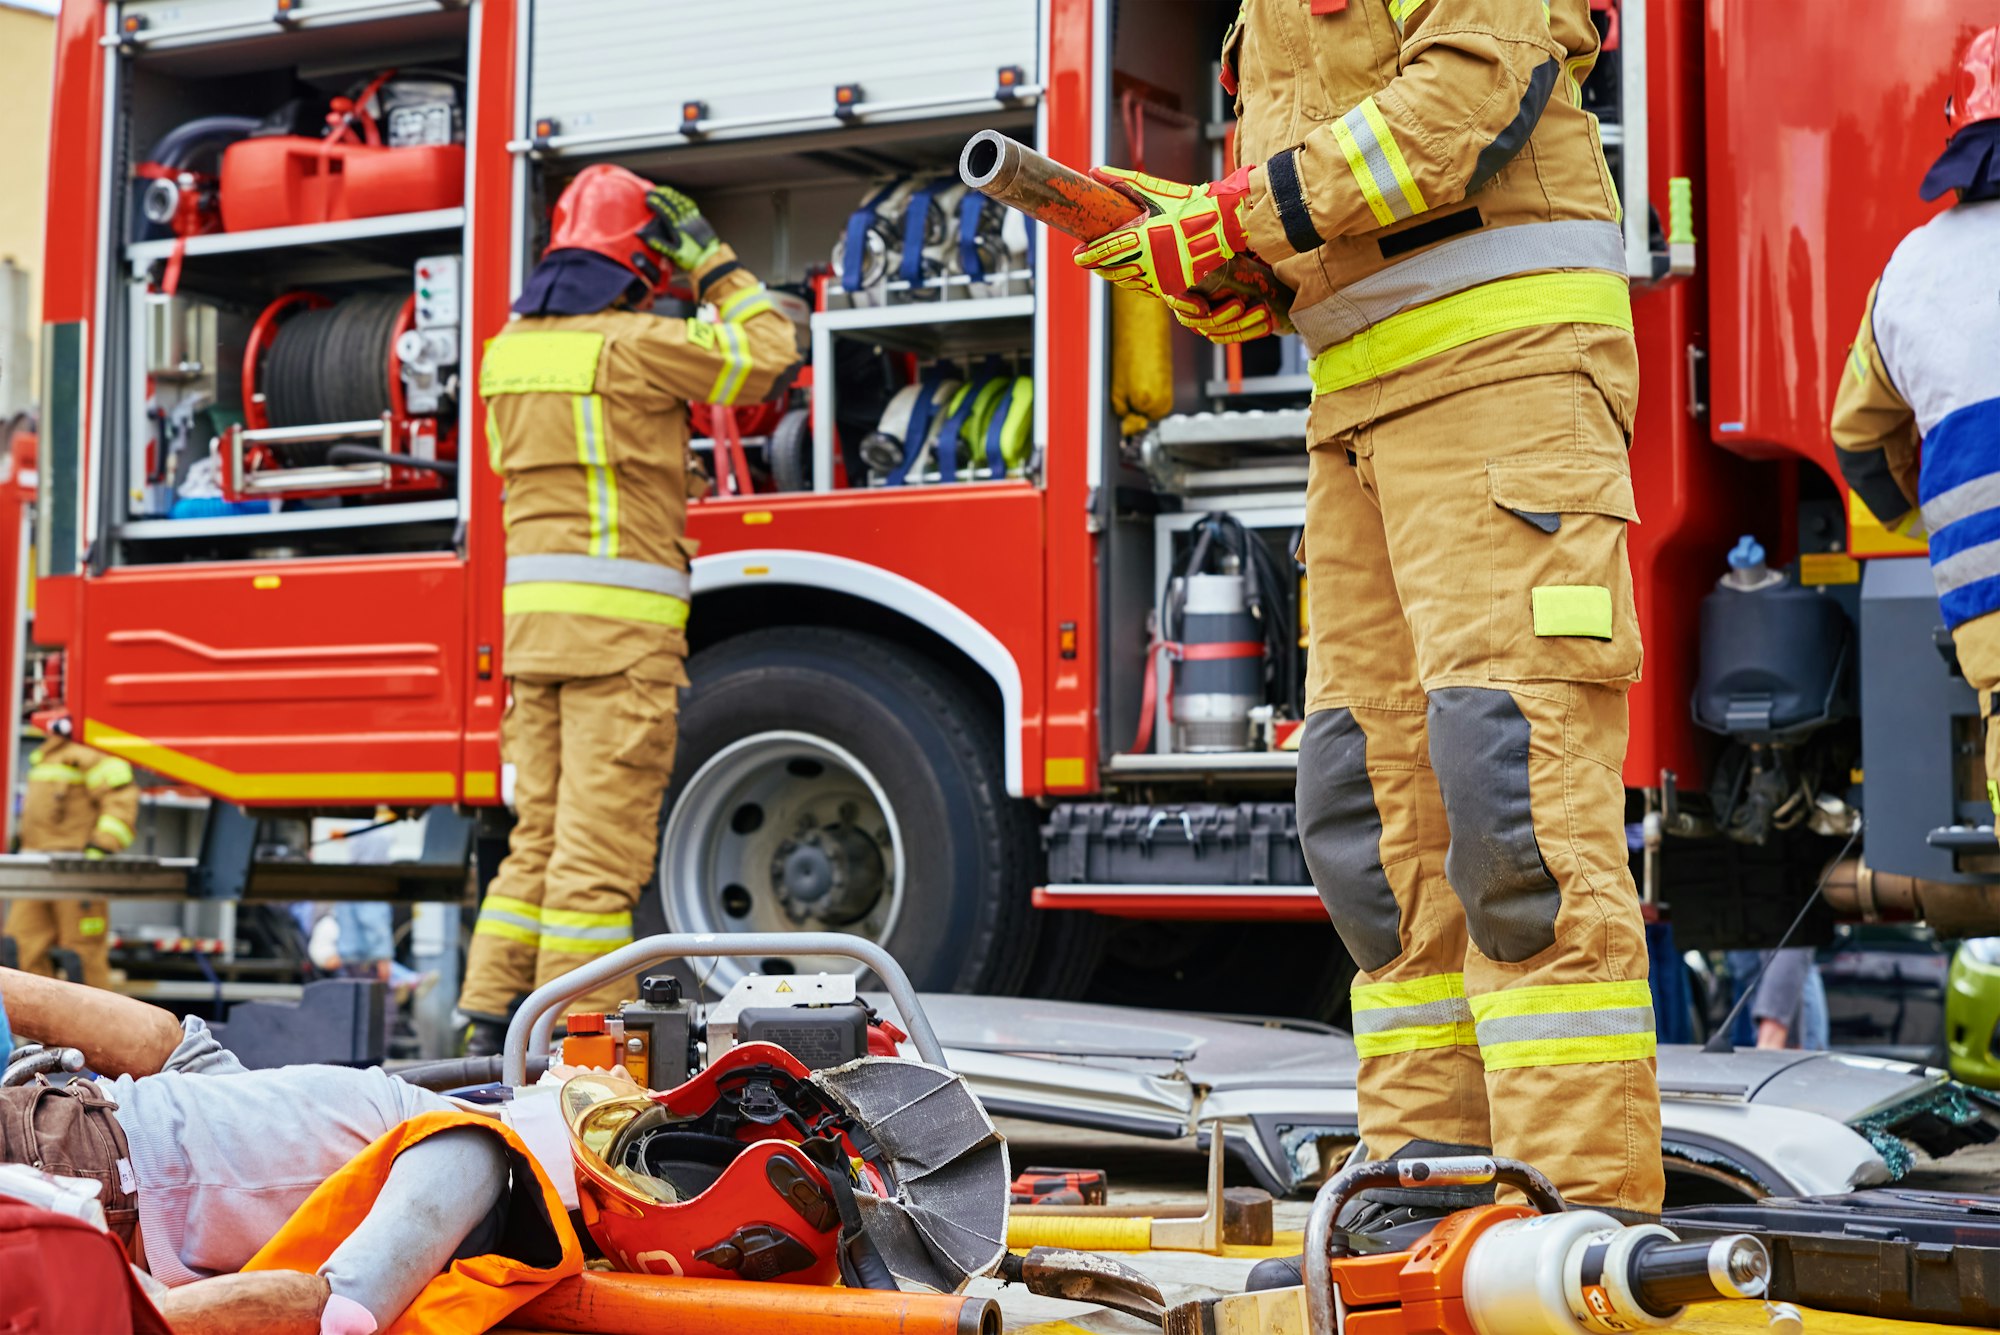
59	1275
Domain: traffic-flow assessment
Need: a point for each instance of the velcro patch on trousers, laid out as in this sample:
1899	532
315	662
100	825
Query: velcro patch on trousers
1573	609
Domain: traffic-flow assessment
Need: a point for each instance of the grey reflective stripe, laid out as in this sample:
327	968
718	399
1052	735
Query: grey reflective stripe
1453	1010
1357	125
1966	567
1961	502
1566	1024
490	914
613	570
1456	266
588	933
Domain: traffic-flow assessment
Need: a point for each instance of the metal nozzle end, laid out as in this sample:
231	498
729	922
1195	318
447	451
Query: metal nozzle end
1740	1266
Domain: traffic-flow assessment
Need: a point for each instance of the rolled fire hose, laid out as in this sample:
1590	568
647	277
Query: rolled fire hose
1142	359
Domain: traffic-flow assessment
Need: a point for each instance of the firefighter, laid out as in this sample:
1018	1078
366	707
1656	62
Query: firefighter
586	399
1917	414
79	800
1422	173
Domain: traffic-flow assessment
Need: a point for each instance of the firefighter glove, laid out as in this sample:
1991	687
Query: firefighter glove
679	232
1226	317
1187	234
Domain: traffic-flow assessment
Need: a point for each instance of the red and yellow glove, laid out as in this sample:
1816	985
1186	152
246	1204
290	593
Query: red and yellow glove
1227	317
1189	232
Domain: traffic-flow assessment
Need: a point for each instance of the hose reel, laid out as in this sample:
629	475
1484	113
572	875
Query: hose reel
326	409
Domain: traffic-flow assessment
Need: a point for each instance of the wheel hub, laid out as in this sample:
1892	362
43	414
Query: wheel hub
829	873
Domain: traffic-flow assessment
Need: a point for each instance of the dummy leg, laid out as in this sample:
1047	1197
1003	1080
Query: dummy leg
118	1035
438	1191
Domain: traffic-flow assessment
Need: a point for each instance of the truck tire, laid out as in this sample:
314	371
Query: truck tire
809	759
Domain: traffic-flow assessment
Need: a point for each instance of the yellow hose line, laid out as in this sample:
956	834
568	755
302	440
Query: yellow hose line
1080	1232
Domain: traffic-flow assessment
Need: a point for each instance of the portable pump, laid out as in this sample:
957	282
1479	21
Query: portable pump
662	1038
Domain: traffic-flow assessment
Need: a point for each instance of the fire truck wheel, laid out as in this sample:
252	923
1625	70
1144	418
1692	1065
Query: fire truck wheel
833	781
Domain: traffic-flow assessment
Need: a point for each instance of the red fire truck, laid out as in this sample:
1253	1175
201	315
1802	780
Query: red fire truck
270	551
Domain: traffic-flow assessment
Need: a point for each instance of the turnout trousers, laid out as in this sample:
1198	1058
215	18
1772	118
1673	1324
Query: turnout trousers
41	925
591	757
1459	795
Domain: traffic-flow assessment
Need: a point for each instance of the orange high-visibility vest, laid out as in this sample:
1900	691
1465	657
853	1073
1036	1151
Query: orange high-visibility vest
476	1293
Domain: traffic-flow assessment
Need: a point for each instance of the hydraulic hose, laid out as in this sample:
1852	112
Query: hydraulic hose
459	1072
368	454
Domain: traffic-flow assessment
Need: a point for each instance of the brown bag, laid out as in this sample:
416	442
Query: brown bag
69	1130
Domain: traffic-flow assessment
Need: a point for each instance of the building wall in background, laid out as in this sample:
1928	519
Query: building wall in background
27	69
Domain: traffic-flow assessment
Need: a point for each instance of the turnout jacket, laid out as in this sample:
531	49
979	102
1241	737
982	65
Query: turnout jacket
1917	417
587	424
78	798
1428	178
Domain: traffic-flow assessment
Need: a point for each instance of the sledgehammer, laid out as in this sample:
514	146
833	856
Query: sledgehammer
1010	172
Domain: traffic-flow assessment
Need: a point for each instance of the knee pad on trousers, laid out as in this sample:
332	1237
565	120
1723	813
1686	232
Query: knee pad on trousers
1479	748
1340	829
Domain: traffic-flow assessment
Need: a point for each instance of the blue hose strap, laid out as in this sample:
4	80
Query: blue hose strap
915	219
969	210
858	223
996	459
920	425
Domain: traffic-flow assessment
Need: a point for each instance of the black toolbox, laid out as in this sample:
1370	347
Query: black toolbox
1198	843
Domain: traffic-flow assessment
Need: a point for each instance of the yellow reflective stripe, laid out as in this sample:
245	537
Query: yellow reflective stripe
110	772
118	830
90	926
492	441
597	600
1363	177
572	918
735	370
568	946
1414	992
600	479
551	361
1565	1024
353	787
1411	1016
1416	1038
1402	9
1491	308
54	772
1561	999
1568	1051
750	301
507	904
1572	609
1401	169
1993	796
507	931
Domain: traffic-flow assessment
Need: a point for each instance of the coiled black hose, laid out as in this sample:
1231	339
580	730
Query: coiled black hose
333	364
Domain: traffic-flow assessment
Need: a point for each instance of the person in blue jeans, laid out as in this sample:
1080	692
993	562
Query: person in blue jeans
1789	1010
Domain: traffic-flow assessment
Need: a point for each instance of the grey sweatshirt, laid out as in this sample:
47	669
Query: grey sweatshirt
223	1156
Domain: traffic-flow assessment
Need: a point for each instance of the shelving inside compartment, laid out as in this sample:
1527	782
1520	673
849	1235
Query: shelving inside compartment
787	204
283	342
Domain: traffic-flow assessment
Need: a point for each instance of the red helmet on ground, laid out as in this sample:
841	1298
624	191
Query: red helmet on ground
604	211
1975	87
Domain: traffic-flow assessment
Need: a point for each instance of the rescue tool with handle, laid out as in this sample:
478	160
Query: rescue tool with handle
1010	172
1506	1269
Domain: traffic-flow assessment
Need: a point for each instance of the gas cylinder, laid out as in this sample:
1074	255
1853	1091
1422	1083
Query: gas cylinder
1219	664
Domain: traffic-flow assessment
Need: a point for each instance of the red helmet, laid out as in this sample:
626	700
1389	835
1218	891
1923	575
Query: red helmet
604	210
727	1176
1975	89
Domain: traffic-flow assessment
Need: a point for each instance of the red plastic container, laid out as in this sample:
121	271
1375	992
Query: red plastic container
288	181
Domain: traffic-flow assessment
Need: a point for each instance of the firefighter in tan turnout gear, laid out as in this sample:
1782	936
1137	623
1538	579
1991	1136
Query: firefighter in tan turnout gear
1422	173
586	407
79	800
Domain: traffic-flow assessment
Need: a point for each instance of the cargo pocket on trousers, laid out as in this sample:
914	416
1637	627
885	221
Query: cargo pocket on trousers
649	717
1562	585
